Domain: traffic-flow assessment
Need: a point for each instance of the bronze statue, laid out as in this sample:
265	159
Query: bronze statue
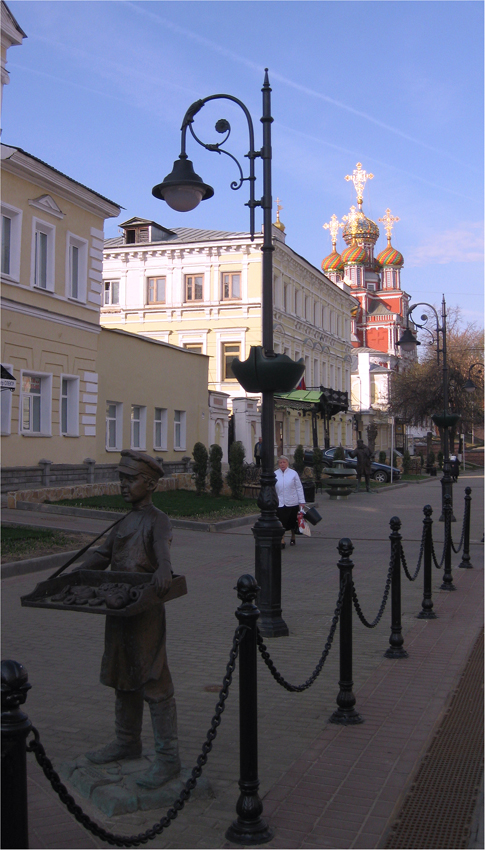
364	464
135	660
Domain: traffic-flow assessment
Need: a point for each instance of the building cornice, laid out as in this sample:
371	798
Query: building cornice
49	316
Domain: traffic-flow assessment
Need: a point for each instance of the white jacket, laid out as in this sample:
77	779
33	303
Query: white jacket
288	488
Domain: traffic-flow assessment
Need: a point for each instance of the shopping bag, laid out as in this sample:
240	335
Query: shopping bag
312	516
303	526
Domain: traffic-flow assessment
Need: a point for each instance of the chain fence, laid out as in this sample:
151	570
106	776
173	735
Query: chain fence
420	558
328	645
384	598
37	748
463	527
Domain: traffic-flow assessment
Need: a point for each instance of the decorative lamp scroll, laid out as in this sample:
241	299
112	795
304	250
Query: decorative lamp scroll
277	374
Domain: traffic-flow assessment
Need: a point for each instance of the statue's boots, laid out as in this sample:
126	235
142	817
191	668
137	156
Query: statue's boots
128	720
167	761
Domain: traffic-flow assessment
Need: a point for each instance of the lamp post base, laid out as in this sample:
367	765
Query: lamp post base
267	537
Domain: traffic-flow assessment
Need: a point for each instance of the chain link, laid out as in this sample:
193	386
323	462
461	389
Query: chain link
274	672
403	559
384	598
445	545
467	508
36	747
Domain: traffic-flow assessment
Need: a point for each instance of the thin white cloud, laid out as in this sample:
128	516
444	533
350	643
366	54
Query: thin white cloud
464	244
235	57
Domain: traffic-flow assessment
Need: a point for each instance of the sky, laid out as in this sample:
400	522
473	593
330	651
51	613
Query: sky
100	87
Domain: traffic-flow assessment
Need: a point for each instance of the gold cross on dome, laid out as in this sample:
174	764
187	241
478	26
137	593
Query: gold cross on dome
388	221
352	218
333	225
359	178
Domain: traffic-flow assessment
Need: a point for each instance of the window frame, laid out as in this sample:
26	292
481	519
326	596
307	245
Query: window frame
118	420
231	296
141	422
15	217
6	406
40	227
111	303
72	406
224	355
180	445
82	246
156	279
45	404
162	421
192	277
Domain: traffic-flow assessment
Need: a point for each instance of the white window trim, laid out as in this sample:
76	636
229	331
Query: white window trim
83	246
72	406
6	397
163	430
195	337
119	427
39	226
143	428
236	335
15	215
45	404
183	431
111	280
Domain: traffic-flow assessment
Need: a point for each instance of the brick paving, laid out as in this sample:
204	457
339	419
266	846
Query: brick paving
322	785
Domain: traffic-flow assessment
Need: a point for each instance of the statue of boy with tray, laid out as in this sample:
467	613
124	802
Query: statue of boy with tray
135	659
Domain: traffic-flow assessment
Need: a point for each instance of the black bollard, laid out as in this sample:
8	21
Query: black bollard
447	575
466	563
427	612
346	714
15	728
249	828
396	639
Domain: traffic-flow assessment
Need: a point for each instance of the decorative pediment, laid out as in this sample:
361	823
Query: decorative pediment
47	205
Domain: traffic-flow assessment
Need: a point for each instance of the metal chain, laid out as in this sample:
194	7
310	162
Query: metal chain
36	747
403	559
462	539
274	672
384	598
445	544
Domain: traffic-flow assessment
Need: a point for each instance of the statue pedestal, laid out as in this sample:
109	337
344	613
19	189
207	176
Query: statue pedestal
113	790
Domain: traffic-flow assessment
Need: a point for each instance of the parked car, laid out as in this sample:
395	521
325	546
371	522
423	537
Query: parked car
380	471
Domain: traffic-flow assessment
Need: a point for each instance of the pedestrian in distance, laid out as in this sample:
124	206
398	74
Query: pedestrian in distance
258	451
364	464
135	659
291	498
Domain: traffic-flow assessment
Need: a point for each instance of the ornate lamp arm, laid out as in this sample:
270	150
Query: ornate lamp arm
424	318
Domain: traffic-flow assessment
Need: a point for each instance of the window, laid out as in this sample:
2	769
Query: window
69	406
11	232
194	346
160	429
111	292
156	290
193	287
230	350
231	286
114	426
43	255
76	267
6	403
179	430
35	404
138	426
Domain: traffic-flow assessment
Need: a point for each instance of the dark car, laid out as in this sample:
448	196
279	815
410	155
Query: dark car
380	471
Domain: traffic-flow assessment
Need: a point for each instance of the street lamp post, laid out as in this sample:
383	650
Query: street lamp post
408	342
183	190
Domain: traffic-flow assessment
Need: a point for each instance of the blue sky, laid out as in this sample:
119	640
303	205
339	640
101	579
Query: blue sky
99	90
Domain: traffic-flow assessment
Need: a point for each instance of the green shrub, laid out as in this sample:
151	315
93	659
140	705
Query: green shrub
406	462
421	456
431	459
440	459
394	459
235	476
317	463
215	459
382	457
299	459
200	467
339	453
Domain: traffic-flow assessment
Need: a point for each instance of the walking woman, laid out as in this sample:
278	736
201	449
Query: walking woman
291	498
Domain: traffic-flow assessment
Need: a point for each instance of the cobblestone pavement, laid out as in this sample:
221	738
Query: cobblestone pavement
304	762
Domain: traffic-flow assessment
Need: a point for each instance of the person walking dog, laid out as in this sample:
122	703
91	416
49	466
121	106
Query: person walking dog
291	498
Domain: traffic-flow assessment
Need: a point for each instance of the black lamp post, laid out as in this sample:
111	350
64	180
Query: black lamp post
446	419
183	190
469	386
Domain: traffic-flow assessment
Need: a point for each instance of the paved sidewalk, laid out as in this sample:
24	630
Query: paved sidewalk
322	785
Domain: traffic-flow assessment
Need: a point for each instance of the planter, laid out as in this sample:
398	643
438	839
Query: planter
309	491
341	480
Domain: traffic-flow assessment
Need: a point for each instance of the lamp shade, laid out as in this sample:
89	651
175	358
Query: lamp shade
408	341
182	189
469	386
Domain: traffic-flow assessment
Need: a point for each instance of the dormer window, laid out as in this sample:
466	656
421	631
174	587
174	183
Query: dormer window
130	237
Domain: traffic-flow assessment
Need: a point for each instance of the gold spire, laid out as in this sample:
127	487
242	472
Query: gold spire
279	224
388	221
333	225
359	178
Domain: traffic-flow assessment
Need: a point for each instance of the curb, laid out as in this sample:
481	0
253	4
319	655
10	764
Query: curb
36	565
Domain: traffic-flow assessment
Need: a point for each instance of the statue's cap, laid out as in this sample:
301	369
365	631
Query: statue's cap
132	463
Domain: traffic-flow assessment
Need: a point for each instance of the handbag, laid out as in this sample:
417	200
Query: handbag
312	516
